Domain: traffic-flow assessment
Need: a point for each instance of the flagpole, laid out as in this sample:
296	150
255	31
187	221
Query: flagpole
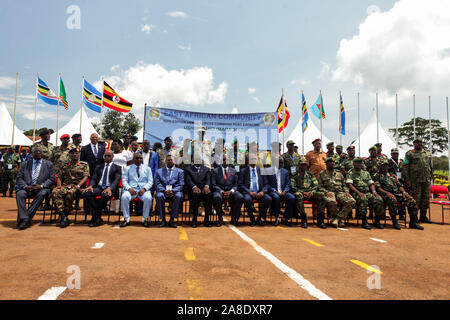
103	83
81	107
359	134
303	133
340	123
378	134
396	120
14	118
35	108
57	110
429	115
414	115
448	137
321	108
284	112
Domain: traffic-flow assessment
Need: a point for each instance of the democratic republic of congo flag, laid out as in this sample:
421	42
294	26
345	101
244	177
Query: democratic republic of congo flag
305	115
92	98
342	118
113	101
282	112
45	94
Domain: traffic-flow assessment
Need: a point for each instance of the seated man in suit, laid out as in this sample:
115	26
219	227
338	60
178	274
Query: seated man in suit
169	183
198	181
253	186
35	179
225	186
279	187
137	180
104	183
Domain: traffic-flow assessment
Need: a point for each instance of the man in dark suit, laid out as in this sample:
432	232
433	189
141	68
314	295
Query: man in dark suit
253	186
198	182
169	182
279	187
93	153
34	180
225	186
104	183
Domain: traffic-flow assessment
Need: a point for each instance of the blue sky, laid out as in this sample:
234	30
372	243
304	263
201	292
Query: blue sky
252	48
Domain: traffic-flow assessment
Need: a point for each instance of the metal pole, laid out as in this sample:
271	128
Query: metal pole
378	134
429	115
359	133
145	116
396	120
57	110
414	115
303	133
14	117
340	124
448	138
35	109
284	112
321	108
81	107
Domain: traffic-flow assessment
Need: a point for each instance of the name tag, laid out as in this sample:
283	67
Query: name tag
236	168
169	187
399	175
9	166
293	170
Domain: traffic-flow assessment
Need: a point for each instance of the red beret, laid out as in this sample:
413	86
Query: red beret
316	140
64	136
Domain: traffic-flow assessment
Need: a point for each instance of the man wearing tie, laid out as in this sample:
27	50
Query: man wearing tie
103	183
35	179
169	183
225	186
93	153
279	187
253	187
137	180
198	181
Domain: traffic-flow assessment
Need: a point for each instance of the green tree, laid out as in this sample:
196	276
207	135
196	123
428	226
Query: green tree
438	134
114	124
38	132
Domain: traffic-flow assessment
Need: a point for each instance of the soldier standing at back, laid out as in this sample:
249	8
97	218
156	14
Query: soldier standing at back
70	184
47	147
60	155
417	173
11	165
316	158
371	162
395	164
291	159
76	141
332	154
342	157
380	155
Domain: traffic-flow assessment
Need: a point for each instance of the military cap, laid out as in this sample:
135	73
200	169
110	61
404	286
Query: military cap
350	148
74	150
64	136
378	144
44	132
314	141
76	135
394	150
358	159
339	146
329	159
302	161
418	139
133	138
372	148
290	142
167	138
383	162
329	144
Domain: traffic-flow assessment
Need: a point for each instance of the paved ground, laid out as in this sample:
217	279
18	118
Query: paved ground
218	263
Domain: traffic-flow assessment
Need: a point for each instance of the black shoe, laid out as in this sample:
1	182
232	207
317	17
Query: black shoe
146	224
414	223
125	224
194	223
277	222
321	225
24	224
4	195
207	224
365	225
377	223
77	207
424	218
58	223
285	222
92	223
163	224
66	222
259	222
219	223
304	225
172	224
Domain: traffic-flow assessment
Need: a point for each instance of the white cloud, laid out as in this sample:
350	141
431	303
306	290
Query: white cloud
7	82
115	67
404	50
373	9
177	14
251	90
187	48
256	99
148	83
147	28
301	82
324	73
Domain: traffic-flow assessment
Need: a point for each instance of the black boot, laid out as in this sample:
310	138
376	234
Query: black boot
65	221
194	222
4	194
277	221
370	213
58	223
414	222
377	223
423	216
252	219
364	223
395	222
304	221
10	194
320	224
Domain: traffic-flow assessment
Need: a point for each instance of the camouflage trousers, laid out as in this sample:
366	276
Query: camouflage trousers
420	191
392	204
347	204
64	197
9	177
300	198
363	204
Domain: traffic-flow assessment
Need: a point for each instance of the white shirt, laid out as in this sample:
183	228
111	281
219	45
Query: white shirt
278	180
146	157
122	158
107	178
251	178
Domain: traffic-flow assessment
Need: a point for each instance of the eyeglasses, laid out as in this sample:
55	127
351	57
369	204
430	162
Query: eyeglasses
137	158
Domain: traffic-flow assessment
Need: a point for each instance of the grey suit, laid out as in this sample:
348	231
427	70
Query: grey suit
24	179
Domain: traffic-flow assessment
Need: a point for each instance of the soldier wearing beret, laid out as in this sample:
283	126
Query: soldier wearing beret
47	147
331	153
76	141
60	155
380	155
371	162
291	159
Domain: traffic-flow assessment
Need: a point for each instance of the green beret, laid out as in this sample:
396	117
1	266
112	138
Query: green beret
372	148
358	159
350	148
395	150
290	142
330	144
339	146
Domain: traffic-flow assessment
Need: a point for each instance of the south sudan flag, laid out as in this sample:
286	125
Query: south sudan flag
113	101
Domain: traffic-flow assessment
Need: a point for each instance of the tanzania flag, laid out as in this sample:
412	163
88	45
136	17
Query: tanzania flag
113	101
62	94
282	114
342	118
305	115
92	98
317	109
45	94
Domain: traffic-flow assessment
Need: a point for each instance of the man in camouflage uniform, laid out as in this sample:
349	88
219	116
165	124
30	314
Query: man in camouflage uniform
392	192
60	155
417	173
11	165
362	188
47	147
70	184
163	152
76	141
380	155
332	154
291	159
395	168
342	157
332	184
371	162
304	185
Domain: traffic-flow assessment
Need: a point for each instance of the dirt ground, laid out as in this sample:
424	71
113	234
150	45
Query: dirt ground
216	263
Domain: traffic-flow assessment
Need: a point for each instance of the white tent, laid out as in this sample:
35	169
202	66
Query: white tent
311	134
6	126
73	126
140	135
369	137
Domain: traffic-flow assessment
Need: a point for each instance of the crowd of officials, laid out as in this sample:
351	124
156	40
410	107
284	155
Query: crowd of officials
334	182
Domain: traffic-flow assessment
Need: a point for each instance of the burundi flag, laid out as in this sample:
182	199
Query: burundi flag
92	98
62	94
342	118
113	101
282	112
317	109
45	94
305	115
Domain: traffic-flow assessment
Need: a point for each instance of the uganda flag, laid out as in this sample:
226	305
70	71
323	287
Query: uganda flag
113	101
283	114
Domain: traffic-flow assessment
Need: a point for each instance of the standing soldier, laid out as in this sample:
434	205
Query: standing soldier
332	183
316	158
392	192
331	153
60	155
395	164
47	147
342	157
76	141
417	173
162	153
380	155
11	165
304	185
362	188
371	162
291	159
70	184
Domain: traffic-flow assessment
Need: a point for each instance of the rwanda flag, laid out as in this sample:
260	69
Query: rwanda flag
317	109
92	98
305	115
113	101
342	118
62	94
282	112
45	94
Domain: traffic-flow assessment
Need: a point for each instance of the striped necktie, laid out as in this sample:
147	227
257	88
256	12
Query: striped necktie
37	168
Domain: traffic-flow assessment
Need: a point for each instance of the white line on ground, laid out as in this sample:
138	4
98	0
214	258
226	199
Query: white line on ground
52	293
98	245
116	227
291	273
342	229
379	240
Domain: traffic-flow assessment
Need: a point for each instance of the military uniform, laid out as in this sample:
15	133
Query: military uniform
291	162
371	165
10	163
59	157
162	155
47	150
395	167
72	145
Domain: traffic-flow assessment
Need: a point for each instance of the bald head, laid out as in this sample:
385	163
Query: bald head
109	156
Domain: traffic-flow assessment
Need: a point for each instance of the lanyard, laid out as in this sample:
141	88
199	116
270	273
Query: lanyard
292	159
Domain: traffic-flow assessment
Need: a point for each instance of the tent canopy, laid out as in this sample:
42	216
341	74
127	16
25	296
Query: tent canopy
311	134
6	126
73	126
